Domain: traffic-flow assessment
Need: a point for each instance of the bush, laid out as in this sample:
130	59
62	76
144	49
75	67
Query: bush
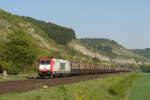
145	68
1	67
120	88
4	66
19	52
13	71
10	70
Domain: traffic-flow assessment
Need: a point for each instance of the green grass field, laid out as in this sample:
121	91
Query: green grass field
141	88
107	88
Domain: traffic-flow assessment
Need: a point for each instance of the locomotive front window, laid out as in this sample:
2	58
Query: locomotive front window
45	62
42	62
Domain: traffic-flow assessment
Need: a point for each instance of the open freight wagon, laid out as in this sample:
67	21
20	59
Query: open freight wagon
59	67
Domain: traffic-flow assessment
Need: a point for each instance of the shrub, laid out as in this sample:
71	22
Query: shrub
19	52
4	66
13	70
145	68
120	88
10	69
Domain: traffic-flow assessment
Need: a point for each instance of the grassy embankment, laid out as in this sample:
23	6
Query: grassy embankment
108	88
22	76
141	88
12	77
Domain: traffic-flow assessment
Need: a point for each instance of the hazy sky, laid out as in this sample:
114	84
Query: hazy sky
126	21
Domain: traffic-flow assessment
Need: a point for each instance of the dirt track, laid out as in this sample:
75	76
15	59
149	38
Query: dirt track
26	85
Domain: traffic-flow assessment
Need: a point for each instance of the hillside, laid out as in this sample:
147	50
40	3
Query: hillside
142	52
10	23
23	40
106	47
77	45
61	35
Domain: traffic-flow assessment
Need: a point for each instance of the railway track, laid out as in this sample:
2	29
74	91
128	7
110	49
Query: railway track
27	85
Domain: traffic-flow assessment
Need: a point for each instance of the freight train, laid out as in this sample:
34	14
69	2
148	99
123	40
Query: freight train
58	67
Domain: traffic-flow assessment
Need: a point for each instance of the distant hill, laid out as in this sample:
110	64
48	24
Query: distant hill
142	52
106	47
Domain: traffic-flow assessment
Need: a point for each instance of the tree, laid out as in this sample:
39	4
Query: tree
19	51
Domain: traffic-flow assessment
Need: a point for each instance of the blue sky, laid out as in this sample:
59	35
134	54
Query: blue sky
126	21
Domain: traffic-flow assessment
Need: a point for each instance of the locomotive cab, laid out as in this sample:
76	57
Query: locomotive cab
44	68
53	67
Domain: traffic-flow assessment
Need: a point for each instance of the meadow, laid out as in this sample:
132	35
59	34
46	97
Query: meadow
141	88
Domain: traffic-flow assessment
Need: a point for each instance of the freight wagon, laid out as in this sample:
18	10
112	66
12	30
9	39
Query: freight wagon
59	67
